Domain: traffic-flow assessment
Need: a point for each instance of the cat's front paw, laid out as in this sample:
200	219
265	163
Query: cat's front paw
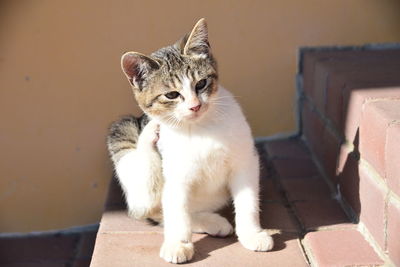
150	134
178	252
259	241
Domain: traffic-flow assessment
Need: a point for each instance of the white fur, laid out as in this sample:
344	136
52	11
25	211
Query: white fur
191	100
131	165
203	164
136	171
205	159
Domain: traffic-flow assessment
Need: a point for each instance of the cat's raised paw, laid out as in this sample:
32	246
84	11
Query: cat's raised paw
178	252
149	134
260	241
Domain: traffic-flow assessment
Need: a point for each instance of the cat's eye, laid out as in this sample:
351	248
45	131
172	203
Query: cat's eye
201	84
172	95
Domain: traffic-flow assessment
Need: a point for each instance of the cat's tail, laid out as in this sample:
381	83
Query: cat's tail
137	165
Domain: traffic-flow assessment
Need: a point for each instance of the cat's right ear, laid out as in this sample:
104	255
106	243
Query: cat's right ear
137	67
196	43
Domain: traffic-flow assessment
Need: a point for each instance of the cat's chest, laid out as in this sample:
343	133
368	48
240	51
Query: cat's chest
194	147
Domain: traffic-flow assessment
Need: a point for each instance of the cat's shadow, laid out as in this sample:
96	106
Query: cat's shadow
205	246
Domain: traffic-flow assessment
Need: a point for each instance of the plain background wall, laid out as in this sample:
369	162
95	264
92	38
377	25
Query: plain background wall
61	84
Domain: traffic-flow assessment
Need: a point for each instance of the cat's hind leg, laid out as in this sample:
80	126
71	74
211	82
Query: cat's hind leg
131	143
211	223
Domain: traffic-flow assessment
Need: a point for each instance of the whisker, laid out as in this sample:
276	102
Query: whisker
221	104
221	114
228	96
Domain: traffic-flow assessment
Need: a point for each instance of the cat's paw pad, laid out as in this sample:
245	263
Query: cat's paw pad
260	241
178	252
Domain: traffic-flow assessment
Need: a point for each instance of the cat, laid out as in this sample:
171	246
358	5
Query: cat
191	151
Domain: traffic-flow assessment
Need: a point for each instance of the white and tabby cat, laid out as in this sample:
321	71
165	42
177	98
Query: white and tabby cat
191	151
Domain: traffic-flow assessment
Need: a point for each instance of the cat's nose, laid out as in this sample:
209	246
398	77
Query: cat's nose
196	108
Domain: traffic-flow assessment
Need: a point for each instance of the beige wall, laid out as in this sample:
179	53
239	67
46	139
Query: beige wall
61	84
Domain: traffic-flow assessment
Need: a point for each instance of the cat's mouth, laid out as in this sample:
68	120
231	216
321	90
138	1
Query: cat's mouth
178	119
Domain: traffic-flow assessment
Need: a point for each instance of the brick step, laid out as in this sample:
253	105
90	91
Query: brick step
328	237
380	194
380	138
126	242
336	83
296	206
346	247
350	114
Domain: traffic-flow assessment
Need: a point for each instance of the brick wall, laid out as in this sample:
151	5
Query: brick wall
350	118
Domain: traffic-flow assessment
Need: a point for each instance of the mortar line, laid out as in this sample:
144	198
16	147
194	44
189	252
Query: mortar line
375	246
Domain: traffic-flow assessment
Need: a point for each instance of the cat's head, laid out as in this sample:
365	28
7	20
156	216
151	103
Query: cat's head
175	84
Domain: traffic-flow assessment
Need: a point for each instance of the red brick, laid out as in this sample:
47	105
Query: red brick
393	230
372	199
349	180
277	216
334	102
294	168
330	154
342	58
312	128
320	214
344	82
287	148
314	188
328	74
373	137
355	99
321	79
375	119
308	69
310	75
342	158
392	157
127	249
340	248
322	141
269	190
119	221
143	250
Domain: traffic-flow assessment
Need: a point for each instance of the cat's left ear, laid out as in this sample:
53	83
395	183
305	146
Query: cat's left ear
197	42
137	67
